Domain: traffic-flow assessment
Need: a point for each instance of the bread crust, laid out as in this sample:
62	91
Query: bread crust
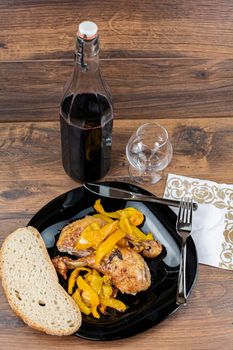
54	280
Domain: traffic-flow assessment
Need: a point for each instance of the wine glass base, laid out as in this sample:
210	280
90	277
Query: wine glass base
144	178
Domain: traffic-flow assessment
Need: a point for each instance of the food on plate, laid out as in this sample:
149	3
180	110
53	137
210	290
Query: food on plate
94	291
71	233
126	269
110	248
31	285
82	237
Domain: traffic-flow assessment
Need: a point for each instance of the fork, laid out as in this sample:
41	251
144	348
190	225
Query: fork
183	228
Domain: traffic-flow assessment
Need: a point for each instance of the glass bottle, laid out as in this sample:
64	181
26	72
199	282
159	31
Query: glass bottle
86	112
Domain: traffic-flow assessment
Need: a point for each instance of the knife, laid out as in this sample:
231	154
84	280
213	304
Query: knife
113	192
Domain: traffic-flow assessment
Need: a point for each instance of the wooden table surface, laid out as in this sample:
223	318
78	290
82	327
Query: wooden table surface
170	61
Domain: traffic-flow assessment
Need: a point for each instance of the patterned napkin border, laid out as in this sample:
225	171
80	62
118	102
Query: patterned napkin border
221	196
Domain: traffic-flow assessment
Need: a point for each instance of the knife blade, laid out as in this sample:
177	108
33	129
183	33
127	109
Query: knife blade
113	192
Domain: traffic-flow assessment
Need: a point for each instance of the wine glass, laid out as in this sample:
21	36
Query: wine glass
149	151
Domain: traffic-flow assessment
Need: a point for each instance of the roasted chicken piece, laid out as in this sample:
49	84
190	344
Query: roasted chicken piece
61	265
148	248
126	269
71	232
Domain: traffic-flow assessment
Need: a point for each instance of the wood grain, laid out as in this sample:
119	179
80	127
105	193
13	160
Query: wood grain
31	91
168	61
31	172
39	29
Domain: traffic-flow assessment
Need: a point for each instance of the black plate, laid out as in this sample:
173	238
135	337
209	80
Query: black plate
148	308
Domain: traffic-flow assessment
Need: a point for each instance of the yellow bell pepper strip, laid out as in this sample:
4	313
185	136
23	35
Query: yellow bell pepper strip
99	208
96	273
95	226
133	213
139	235
115	214
106	246
125	225
135	216
150	236
88	278
103	217
136	219
107	280
89	295
96	281
114	304
73	277
95	312
127	211
93	308
89	292
104	232
106	291
82	305
92	238
86	238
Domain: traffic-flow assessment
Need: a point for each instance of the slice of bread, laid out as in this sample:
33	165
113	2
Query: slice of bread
31	285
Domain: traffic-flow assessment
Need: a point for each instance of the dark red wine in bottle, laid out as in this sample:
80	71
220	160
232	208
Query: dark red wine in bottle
86	113
86	148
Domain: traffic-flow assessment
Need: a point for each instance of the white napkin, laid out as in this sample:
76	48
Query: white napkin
212	229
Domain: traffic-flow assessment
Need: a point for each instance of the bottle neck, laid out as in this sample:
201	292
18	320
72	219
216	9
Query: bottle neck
87	55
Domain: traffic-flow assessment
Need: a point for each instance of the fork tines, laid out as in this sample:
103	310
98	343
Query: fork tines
185	210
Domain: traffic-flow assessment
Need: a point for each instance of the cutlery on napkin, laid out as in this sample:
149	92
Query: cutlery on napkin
212	230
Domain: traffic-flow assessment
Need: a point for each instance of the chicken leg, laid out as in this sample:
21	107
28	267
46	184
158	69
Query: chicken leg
126	269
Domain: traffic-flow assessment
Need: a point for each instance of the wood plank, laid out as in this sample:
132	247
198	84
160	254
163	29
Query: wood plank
177	88
46	29
31	173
